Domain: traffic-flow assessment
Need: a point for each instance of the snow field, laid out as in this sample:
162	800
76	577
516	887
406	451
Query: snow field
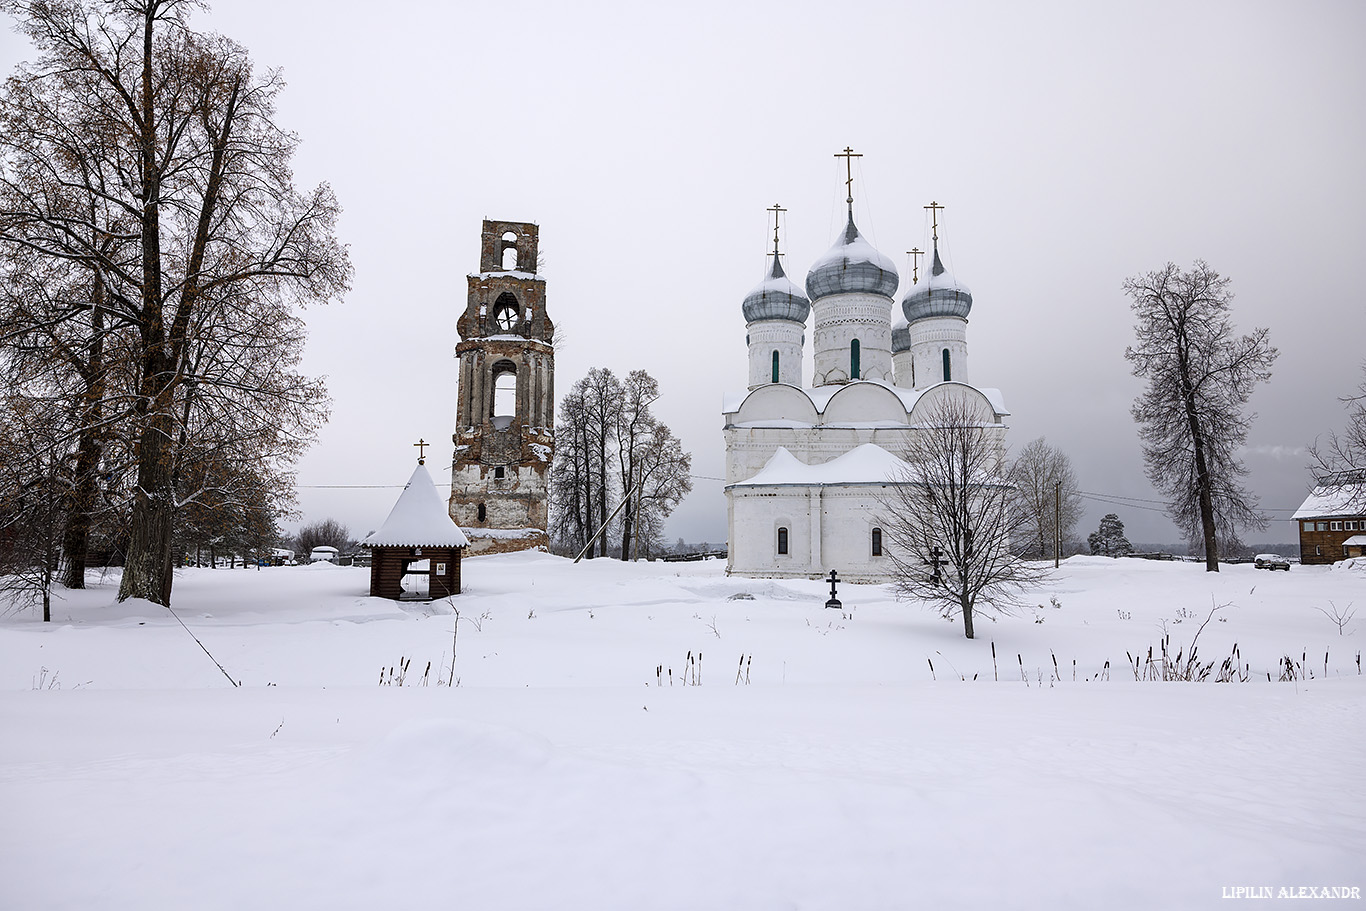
558	775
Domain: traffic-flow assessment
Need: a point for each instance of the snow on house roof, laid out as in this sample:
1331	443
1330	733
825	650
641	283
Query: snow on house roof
1355	541
418	519
1333	500
867	464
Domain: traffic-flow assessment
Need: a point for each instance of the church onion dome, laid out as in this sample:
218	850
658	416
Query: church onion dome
901	336
776	297
939	294
851	265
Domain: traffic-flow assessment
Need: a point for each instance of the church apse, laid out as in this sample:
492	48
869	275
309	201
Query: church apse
504	435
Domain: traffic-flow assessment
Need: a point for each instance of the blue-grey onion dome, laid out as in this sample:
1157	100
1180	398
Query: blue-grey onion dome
851	265
938	294
901	336
776	297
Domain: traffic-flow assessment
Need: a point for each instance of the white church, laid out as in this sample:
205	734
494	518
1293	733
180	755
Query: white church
808	468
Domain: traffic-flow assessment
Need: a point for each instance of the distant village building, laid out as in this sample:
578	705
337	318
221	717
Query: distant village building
418	538
1332	518
322	554
808	469
505	433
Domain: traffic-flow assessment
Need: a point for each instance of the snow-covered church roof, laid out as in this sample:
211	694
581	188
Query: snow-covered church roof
852	264
418	519
776	297
866	464
940	294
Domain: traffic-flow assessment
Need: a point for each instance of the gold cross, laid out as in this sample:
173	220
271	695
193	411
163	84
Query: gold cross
915	253
776	209
934	208
849	155
421	445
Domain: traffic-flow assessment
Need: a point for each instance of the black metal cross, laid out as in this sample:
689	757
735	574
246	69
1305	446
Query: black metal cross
936	560
834	602
421	445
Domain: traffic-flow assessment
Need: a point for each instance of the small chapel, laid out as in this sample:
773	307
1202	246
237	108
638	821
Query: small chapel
808	467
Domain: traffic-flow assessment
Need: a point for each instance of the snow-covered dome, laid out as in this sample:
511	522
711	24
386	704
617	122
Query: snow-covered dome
940	294
776	297
851	265
901	335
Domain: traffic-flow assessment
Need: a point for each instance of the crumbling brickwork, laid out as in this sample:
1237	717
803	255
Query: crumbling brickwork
504	436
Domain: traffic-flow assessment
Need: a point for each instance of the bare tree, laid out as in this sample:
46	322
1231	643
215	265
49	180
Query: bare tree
1342	457
580	488
1200	375
32	491
324	532
1047	487
172	134
954	517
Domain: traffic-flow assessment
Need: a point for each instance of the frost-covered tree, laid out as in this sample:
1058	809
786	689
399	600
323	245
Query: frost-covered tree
1047	487
952	519
1192	420
1109	540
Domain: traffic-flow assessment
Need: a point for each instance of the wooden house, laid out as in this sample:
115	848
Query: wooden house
1332	520
419	530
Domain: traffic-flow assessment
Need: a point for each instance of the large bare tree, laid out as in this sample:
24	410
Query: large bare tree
1047	487
171	134
1192	421
1342	456
953	517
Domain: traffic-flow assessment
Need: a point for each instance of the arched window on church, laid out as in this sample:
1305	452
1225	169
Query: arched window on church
504	405
782	540
482	512
775	366
853	360
948	372
510	253
877	542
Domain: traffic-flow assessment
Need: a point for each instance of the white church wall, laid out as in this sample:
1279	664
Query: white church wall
863	403
840	319
929	338
787	337
828	527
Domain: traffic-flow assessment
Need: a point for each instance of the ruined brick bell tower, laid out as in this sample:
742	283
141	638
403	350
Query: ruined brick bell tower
504	434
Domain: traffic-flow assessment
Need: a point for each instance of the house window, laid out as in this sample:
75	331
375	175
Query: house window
948	371
877	542
1350	525
1335	526
775	366
853	360
782	540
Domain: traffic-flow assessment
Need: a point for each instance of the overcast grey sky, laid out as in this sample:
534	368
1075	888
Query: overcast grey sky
1073	144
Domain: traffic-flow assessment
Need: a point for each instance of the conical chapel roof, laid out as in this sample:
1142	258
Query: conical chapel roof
418	519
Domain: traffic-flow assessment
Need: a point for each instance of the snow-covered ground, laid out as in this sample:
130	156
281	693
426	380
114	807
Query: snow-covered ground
840	773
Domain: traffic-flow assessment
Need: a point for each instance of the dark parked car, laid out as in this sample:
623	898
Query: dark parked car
1272	561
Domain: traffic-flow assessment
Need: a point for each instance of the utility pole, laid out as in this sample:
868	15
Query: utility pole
1057	523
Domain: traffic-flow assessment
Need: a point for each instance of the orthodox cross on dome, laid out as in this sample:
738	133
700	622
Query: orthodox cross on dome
915	253
849	155
421	445
934	208
776	210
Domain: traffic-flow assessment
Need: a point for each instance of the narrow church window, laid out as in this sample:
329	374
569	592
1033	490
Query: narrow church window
782	540
775	366
510	252
483	513
877	542
948	372
853	360
498	471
